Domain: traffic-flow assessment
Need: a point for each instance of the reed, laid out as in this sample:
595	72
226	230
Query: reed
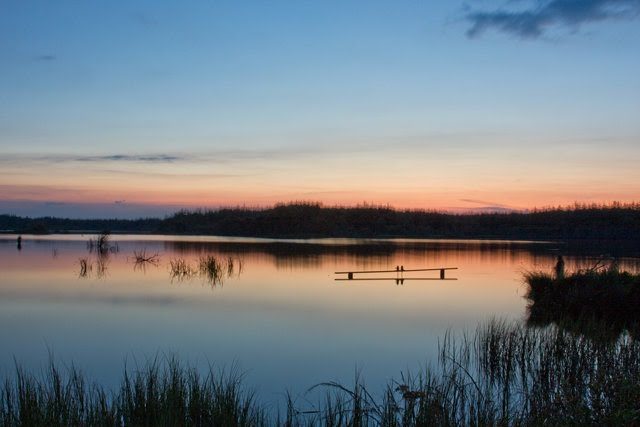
503	374
212	270
141	257
85	267
180	269
601	294
101	244
159	394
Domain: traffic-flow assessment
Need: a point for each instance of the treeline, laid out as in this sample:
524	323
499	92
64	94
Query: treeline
45	225
608	222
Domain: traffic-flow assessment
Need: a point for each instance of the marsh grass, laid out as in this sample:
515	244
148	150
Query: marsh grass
211	270
159	394
101	244
181	270
85	267
597	300
503	374
98	268
142	259
508	374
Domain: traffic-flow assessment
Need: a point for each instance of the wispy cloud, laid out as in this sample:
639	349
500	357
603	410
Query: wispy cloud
547	15
155	158
489	205
102	158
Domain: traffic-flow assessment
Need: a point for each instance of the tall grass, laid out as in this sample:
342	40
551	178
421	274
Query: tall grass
209	268
102	243
85	267
160	394
504	374
598	299
142	259
180	269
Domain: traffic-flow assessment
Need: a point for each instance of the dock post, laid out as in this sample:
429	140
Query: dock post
350	276
442	274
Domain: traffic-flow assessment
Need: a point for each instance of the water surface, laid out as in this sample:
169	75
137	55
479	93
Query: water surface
281	317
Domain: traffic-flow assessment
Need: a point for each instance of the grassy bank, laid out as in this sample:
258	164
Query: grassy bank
504	374
600	299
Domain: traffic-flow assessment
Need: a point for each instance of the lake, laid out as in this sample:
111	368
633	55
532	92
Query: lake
276	312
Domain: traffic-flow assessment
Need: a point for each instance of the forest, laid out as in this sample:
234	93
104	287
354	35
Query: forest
305	220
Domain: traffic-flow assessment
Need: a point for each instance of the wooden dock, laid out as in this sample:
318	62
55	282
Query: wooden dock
400	271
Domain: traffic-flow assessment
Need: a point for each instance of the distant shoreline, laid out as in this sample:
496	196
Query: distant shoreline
307	221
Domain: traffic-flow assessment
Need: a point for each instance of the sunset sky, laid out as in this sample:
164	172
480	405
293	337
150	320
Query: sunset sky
130	108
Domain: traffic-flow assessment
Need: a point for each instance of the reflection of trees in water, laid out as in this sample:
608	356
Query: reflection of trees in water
366	253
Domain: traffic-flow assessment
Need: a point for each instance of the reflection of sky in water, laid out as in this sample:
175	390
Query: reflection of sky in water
283	319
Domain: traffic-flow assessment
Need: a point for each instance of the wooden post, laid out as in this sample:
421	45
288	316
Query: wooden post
350	276
442	274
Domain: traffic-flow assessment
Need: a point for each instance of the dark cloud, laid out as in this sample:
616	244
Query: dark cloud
56	158
489	206
553	14
155	158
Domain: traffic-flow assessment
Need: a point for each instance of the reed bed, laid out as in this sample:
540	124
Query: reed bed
210	269
503	374
180	269
101	244
160	394
600	299
142	257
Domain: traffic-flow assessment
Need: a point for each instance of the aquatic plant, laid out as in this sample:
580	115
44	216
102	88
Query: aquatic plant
85	267
142	259
101	244
600	293
180	269
157	394
504	374
230	266
102	265
211	270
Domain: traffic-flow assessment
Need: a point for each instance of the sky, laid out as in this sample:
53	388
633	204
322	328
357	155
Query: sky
141	108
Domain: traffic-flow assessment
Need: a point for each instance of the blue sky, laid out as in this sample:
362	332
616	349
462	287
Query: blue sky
440	104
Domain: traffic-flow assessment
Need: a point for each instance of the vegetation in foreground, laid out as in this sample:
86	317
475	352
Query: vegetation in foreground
504	374
601	300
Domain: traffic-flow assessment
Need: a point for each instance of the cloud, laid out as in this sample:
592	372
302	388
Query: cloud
536	21
489	205
56	158
155	158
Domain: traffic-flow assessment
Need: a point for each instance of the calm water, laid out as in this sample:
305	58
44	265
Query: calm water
281	317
